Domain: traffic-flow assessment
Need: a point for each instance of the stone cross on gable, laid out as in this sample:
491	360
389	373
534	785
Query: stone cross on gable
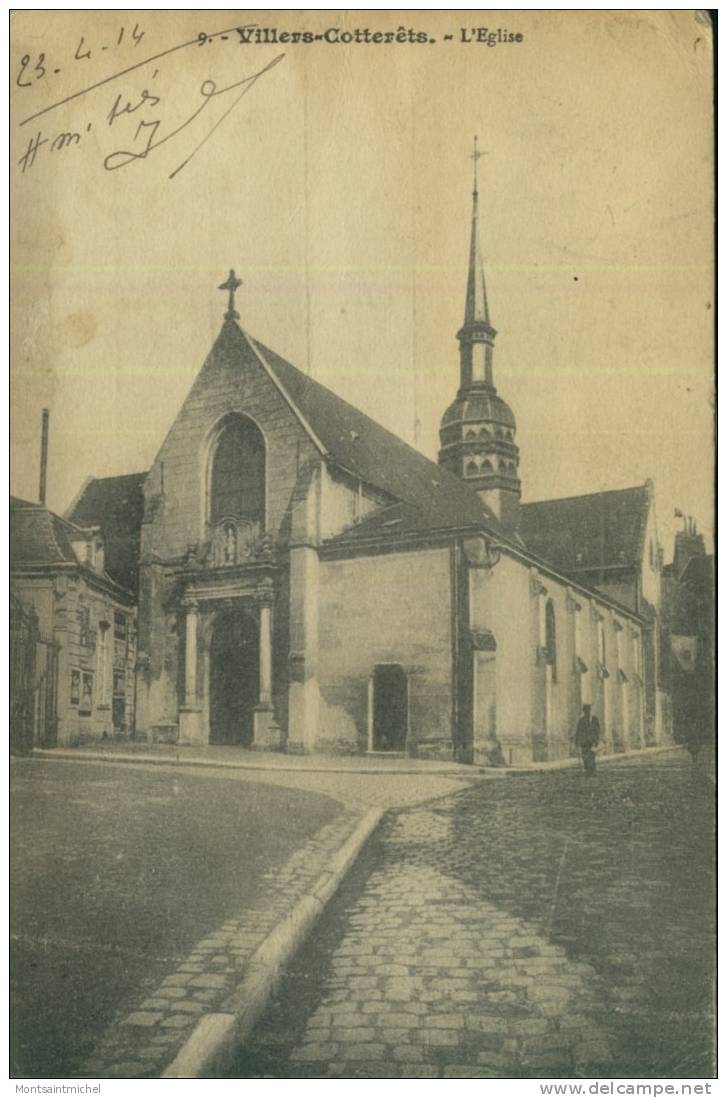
231	285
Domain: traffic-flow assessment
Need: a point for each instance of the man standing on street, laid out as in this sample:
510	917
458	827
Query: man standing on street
588	733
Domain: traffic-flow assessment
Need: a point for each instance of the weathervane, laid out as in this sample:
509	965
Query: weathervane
231	285
476	155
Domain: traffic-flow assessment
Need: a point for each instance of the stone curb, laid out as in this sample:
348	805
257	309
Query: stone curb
211	1046
452	770
568	764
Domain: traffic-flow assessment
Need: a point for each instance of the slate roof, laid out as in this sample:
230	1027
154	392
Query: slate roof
586	534
358	444
37	536
116	504
391	522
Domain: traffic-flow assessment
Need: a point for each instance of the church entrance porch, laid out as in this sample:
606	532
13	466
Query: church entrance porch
227	659
234	678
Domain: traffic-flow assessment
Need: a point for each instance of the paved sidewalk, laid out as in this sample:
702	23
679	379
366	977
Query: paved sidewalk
379	763
385	788
145	1040
151	1028
244	759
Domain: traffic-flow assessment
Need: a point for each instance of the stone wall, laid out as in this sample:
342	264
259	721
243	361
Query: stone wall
231	380
393	608
538	703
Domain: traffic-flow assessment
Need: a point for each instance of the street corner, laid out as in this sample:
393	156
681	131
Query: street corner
197	904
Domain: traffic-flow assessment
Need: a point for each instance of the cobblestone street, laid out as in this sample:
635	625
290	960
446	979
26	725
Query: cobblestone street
541	925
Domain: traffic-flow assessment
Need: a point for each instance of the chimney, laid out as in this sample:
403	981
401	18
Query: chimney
688	543
43	457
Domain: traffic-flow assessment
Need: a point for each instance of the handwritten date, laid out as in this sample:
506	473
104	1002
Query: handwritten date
34	68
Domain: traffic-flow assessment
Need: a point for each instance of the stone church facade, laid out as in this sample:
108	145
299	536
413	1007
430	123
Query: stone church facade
309	582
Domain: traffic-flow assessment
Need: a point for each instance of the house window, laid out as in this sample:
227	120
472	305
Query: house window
119	626
237	485
119	684
101	661
550	639
87	690
75	687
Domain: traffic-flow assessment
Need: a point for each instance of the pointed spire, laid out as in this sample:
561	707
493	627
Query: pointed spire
476	308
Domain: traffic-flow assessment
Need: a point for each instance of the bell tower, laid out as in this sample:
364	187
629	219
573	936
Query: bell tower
477	432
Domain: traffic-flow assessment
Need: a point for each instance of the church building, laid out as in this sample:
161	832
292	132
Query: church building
308	582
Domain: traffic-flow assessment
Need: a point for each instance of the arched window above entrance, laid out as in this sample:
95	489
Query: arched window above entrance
237	480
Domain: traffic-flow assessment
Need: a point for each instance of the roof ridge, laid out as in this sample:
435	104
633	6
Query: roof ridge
50	518
319	384
260	350
585	495
447	478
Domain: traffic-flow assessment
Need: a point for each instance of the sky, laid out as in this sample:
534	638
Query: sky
339	187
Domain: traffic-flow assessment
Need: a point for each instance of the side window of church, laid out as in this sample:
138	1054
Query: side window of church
84	617
238	473
550	639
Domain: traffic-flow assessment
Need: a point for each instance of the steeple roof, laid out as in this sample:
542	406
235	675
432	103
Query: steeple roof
476	309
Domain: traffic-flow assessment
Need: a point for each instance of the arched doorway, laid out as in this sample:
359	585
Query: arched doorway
234	682
390	708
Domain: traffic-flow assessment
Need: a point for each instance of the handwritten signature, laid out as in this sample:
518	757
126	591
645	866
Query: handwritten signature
208	91
150	132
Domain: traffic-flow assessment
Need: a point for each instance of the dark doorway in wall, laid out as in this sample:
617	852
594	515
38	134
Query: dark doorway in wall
391	708
234	678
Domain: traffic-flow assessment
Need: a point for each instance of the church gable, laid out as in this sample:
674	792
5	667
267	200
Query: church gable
234	413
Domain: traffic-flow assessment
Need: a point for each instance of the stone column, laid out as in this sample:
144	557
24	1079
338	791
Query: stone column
266	655
267	735
484	700
190	656
304	692
190	713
